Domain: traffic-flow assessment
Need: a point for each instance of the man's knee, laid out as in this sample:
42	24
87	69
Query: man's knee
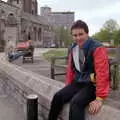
57	97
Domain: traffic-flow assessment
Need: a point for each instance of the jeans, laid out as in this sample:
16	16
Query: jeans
78	94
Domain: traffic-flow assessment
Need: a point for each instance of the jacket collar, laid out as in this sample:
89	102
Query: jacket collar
85	45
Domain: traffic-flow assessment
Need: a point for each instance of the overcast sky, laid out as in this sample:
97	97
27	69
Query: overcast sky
94	12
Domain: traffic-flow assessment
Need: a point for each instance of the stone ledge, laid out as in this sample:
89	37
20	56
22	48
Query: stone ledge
26	82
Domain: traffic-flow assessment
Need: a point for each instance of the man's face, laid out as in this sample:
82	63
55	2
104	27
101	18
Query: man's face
79	35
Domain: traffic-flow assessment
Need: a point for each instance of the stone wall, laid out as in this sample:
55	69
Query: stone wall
58	19
7	8
10	32
18	83
42	33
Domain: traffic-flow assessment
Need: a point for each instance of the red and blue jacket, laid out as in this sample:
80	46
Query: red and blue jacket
96	63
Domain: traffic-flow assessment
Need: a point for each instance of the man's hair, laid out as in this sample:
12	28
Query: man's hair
79	24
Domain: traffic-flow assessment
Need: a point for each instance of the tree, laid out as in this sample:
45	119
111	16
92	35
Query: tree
62	37
116	37
109	31
102	36
110	26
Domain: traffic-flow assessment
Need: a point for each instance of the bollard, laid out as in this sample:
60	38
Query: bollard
32	107
52	68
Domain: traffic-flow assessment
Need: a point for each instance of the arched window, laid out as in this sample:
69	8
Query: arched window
17	1
11	20
29	36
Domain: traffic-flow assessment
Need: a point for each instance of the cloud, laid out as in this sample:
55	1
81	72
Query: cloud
83	5
96	18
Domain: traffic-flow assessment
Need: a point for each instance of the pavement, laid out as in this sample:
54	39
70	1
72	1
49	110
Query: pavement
9	109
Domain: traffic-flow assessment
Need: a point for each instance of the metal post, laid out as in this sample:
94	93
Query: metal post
115	77
118	53
116	70
52	68
32	107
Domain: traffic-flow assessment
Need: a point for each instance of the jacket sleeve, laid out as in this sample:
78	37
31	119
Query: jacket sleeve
101	65
69	71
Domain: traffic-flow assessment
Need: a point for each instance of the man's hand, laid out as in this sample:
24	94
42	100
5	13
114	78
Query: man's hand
95	106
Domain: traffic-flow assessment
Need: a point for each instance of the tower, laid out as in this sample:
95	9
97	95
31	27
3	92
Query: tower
17	3
30	6
45	11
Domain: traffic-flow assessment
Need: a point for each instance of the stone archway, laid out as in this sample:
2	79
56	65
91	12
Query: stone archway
11	20
29	36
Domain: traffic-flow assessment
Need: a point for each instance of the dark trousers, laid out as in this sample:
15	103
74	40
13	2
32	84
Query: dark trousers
78	94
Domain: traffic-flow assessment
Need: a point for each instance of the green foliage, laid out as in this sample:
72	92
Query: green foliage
102	36
109	31
116	37
55	53
110	26
62	37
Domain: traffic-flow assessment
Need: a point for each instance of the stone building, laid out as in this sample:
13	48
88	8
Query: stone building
58	19
61	22
19	21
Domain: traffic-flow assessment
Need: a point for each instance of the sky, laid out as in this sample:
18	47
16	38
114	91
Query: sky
93	12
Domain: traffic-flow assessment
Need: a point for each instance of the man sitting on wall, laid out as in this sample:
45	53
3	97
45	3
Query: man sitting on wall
87	78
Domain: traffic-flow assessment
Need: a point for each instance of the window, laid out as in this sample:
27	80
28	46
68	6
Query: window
32	12
17	1
11	19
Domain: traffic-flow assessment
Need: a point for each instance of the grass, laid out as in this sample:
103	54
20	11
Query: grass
62	52
55	53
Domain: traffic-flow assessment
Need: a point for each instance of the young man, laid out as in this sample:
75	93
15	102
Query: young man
87	78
